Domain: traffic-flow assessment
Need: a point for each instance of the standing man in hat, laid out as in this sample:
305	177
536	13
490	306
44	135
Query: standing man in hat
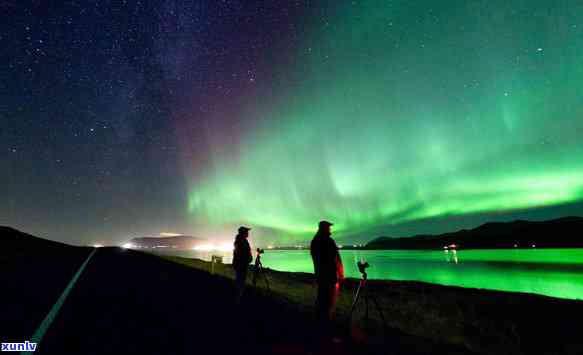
242	257
329	271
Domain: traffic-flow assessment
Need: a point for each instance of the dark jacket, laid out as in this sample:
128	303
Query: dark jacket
242	254
327	263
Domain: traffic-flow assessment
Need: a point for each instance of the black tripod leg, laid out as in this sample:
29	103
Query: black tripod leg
356	298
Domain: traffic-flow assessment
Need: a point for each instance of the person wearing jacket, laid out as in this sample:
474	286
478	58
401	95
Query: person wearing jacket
329	271
242	257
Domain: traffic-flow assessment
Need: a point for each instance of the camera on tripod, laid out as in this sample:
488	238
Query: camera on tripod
258	269
362	266
367	294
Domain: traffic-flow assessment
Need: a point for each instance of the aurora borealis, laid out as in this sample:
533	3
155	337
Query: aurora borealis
404	112
125	119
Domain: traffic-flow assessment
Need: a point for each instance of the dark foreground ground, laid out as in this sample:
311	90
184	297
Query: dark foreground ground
482	321
126	302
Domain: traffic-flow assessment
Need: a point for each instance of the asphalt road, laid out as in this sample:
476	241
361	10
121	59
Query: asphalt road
127	302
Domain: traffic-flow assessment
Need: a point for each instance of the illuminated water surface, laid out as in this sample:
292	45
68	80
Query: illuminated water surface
552	272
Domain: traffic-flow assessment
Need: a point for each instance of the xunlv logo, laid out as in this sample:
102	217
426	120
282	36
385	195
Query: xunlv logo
26	346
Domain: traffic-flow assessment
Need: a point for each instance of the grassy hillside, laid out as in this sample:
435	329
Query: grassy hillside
482	321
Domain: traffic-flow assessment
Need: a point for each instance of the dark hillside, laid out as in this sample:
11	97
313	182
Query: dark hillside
559	233
16	242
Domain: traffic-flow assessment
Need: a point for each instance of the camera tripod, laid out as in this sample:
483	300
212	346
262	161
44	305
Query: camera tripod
258	271
363	291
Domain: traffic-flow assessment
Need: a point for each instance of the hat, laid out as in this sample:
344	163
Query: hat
244	229
324	223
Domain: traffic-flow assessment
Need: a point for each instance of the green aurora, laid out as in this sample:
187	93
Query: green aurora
393	112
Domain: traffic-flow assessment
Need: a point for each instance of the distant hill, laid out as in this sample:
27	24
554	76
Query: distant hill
177	242
559	233
16	242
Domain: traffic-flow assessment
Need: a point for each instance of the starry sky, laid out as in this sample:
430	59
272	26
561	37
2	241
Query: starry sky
131	118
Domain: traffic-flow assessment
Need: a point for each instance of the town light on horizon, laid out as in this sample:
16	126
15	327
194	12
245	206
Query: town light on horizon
225	247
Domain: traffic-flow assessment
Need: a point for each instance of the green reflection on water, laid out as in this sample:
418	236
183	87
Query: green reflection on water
551	272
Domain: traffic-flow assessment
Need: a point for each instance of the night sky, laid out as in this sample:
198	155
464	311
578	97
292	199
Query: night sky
131	118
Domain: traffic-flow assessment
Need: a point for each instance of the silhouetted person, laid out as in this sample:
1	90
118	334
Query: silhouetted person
241	259
329	271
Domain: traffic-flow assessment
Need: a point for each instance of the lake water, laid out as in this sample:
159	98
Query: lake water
552	272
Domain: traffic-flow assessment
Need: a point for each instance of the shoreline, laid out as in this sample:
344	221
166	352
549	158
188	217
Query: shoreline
429	249
552	272
482	321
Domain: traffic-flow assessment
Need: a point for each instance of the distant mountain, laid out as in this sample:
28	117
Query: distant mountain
15	241
175	242
559	233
